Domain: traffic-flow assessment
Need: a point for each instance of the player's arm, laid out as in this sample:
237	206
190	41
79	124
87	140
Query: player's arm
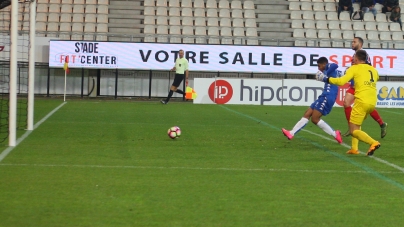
341	80
331	68
186	72
173	69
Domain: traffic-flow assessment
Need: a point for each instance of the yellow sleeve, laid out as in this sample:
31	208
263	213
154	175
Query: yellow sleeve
344	79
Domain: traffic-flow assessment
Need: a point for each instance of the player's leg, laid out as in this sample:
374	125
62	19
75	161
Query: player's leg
299	125
383	125
359	112
348	100
174	88
316	119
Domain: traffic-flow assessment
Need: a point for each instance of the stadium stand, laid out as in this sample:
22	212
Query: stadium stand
245	22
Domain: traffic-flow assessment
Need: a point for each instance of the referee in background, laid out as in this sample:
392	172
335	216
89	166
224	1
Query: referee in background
181	70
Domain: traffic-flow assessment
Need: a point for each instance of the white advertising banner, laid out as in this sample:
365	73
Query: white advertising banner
224	58
282	92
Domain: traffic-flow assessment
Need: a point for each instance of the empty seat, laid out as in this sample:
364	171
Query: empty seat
102	9
320	16
224	13
238	32
330	7
161	11
332	16
373	35
188	32
249	13
39	17
78	9
91	9
213	21
102	18
311	33
43	1
361	34
174	3
235	4
54	8
66	17
348	37
186	12
162	3
250	23
368	17
65	27
356	6
40	26
53	27
306	6
238	22
248	5
383	26
174	20
225	22
89	27
103	28
323	34
175	30
199	13
225	31
162	30
161	20
174	12
321	25
201	33
370	26
187	21
223	4
298	33
308	15
66	8
395	27
318	6
149	20
333	25
345	16
186	3
346	25
42	8
335	34
211	13
296	15
381	17
77	27
91	2
79	18
103	2
79	2
309	24
297	24
199	4
358	26
53	17
200	21
251	32
237	13
148	29
397	36
212	4
294	5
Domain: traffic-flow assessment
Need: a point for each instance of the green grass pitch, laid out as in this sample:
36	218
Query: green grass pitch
111	163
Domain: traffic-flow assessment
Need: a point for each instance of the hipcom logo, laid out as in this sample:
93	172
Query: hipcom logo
220	91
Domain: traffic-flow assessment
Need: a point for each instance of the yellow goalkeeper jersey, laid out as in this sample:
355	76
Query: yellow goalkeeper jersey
365	78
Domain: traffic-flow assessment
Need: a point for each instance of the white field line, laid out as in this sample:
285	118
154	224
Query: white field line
193	168
26	134
347	146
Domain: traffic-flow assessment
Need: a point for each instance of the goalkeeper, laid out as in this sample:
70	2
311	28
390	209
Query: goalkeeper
365	78
322	106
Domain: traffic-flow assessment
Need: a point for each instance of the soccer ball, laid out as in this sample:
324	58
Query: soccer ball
319	75
174	132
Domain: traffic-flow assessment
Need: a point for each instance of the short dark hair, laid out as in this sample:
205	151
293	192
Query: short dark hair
322	60
360	39
361	55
